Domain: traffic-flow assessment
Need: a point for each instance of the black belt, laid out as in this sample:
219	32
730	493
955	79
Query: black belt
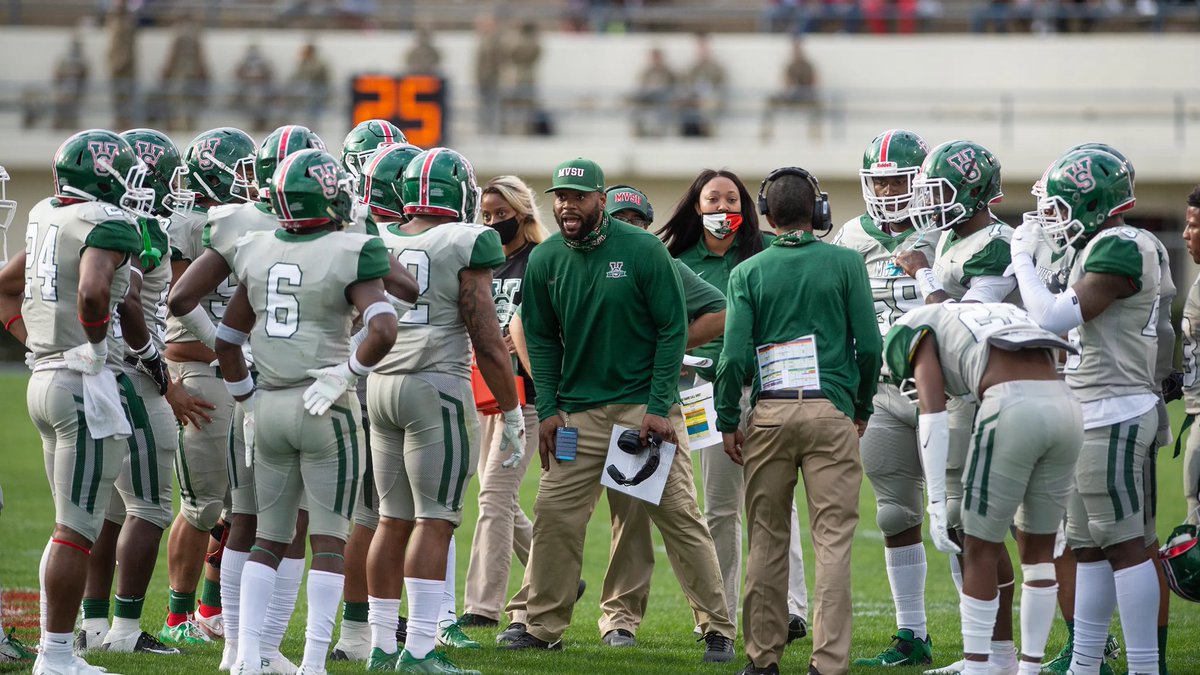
791	394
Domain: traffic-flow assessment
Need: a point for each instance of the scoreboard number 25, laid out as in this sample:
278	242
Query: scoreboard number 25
415	103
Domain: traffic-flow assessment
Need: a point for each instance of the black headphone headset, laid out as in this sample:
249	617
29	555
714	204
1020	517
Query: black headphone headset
630	442
822	216
622	186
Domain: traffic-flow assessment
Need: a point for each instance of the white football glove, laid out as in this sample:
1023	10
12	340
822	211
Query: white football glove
1026	239
88	358
248	424
329	385
248	356
513	437
1060	541
938	531
29	359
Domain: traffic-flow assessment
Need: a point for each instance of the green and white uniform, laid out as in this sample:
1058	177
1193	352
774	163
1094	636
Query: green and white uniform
227	224
889	450
1113	377
297	284
1163	365
1021	460
1190	330
959	263
80	468
144	483
424	429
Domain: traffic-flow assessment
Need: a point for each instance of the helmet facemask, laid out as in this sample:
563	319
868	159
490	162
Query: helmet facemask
179	199
1060	228
892	208
245	181
8	209
934	205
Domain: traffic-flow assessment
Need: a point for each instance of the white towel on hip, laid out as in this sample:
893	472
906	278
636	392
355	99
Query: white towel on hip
102	407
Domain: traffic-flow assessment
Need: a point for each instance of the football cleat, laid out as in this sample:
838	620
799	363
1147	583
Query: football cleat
243	668
187	633
76	666
278	665
434	662
228	656
380	660
351	649
451	635
905	650
86	640
12	650
619	637
137	643
213	626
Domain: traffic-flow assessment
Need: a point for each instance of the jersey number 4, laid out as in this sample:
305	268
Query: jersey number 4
42	263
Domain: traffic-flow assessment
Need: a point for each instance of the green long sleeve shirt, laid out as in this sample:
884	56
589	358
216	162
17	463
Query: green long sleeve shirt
604	326
699	296
785	293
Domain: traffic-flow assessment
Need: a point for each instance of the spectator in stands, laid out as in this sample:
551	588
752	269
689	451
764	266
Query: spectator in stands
252	96
783	15
122	63
70	81
308	88
521	113
423	57
489	59
184	76
799	92
821	13
655	97
998	14
704	97
890	16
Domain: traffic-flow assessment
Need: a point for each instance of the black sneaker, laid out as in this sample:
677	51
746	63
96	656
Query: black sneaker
619	637
752	669
527	641
469	620
143	643
582	588
717	648
401	631
515	630
797	627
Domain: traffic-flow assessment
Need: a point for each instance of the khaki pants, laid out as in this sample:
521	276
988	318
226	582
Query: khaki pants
817	438
502	528
567	495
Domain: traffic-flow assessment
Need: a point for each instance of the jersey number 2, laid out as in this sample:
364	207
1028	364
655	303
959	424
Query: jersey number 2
417	262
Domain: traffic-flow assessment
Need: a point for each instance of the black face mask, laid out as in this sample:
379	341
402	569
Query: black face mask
507	229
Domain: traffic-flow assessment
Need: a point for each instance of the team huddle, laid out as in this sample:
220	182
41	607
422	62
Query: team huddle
300	342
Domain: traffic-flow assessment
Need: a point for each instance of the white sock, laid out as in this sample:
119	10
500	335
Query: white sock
978	620
258	582
56	648
94	625
232	563
324	596
974	667
1037	614
353	631
124	626
283	603
1095	600
449	602
424	607
381	614
43	602
1029	668
1003	654
956	573
1137	601
906	569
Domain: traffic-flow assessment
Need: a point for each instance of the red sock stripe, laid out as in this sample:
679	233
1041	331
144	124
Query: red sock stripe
95	324
64	542
8	324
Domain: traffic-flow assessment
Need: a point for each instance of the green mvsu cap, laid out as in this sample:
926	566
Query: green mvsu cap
578	174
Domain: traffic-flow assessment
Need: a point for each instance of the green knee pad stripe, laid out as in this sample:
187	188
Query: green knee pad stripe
349	469
984	442
263	550
143	464
89	463
1125	465
452	406
329	554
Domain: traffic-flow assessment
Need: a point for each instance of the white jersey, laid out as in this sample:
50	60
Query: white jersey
1190	330
985	253
432	335
187	244
894	292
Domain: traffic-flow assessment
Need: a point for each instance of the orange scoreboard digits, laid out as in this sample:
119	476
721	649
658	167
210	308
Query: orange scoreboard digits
415	103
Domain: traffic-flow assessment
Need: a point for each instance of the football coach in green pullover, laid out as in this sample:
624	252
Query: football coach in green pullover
606	327
806	306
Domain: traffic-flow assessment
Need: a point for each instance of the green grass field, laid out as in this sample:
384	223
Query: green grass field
665	642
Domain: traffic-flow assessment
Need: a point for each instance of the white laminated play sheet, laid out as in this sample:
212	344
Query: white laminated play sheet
700	417
789	365
649	490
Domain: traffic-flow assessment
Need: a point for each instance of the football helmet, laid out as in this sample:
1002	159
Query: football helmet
383	176
220	164
99	165
957	180
8	209
1083	189
283	141
165	172
364	139
1180	558
1039	187
310	189
897	152
441	182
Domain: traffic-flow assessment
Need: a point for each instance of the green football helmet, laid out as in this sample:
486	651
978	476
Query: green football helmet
1180	558
8	209
99	165
165	172
220	163
1039	187
441	182
282	142
364	139
958	179
893	153
1083	189
311	189
382	178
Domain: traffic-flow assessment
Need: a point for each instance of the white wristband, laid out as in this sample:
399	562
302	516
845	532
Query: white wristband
356	366
146	352
927	282
231	335
242	387
934	432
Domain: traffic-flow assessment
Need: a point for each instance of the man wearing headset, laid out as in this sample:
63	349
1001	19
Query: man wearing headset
807	308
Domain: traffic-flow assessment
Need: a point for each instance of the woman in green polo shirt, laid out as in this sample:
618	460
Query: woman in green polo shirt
714	228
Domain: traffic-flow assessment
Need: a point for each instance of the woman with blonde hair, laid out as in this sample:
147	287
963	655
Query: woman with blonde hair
508	206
